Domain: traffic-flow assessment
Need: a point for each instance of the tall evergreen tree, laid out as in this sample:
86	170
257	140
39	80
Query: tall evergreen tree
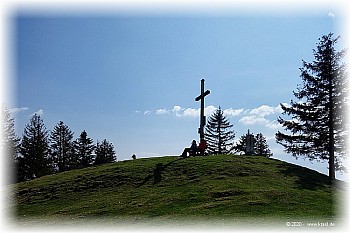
34	160
104	152
84	149
219	135
10	143
62	148
318	125
261	147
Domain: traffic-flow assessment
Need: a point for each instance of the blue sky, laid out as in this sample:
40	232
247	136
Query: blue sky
132	79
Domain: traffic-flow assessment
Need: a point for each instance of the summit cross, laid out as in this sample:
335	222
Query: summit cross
202	117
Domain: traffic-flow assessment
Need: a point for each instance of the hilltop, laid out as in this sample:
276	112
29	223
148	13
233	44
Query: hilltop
170	188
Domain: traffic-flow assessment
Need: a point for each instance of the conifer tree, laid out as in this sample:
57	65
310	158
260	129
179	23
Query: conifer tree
219	135
259	143
240	145
104	152
10	142
318	126
84	149
34	160
62	147
261	147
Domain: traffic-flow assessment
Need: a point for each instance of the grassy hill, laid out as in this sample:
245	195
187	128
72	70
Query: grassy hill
223	188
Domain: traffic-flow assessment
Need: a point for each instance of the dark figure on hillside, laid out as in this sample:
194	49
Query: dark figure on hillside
202	146
194	150
157	173
133	156
190	150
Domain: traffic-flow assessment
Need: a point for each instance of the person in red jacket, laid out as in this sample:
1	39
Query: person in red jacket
202	146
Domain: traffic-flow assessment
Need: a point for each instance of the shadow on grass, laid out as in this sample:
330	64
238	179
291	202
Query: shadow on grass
306	178
157	173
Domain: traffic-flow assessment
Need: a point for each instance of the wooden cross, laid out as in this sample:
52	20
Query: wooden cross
202	117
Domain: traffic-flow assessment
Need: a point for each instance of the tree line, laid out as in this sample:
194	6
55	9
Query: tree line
40	152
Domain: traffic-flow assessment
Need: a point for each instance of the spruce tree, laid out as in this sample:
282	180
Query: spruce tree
259	143
261	147
62	147
219	135
84	149
240	145
34	160
10	143
104	152
318	126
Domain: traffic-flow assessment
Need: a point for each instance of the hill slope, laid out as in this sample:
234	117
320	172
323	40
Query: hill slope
223	186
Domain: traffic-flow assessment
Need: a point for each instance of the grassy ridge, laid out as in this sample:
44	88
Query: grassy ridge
172	188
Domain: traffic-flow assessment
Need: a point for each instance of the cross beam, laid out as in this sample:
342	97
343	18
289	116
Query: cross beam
202	117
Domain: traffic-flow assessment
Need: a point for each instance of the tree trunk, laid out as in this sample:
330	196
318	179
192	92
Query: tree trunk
331	168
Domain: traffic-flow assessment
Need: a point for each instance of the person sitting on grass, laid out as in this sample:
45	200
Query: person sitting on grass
190	150
202	146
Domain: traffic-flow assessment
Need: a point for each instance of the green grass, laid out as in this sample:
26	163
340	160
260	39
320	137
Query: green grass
213	187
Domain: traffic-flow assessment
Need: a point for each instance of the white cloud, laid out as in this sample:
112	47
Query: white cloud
161	111
40	112
176	108
17	110
274	125
252	120
265	110
233	112
331	14
191	112
188	112
262	116
257	120
209	110
255	116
